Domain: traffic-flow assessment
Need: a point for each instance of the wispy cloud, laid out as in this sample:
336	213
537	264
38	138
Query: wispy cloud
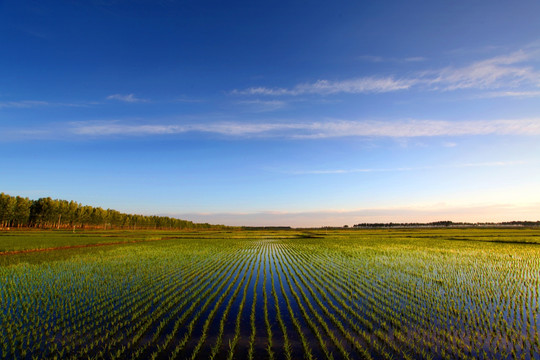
372	58
326	87
496	72
415	59
228	128
25	104
24	134
184	99
382	59
403	169
130	98
420	128
263	105
403	129
514	94
506	71
320	130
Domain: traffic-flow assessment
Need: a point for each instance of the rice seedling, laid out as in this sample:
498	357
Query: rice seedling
269	350
286	342
251	348
390	294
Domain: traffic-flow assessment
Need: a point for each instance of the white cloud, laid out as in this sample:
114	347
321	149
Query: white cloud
355	86
265	91
232	129
130	98
402	169
415	59
419	128
515	94
506	71
24	104
321	129
372	58
263	105
380	59
99	128
326	87
184	99
496	72
10	135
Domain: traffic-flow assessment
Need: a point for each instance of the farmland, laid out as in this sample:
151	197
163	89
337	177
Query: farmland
350	294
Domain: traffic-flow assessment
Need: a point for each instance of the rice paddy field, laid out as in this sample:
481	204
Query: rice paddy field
351	294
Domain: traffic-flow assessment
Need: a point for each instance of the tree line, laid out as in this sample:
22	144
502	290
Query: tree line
47	213
447	223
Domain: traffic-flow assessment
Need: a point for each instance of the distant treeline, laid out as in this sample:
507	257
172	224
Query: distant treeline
448	224
266	227
17	211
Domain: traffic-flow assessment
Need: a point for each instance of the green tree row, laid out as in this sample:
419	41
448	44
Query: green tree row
17	211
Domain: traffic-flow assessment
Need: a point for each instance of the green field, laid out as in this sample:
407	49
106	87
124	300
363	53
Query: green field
351	294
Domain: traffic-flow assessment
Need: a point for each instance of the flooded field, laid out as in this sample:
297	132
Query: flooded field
357	294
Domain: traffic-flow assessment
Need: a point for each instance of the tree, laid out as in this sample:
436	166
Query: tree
21	213
7	209
49	213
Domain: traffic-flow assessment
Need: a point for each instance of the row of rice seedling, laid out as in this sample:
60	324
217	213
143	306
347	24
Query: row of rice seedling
338	317
307	352
270	352
217	346
236	338
387	293
89	322
194	300
149	314
144	322
276	296
222	290
291	272
345	311
252	317
202	338
175	306
160	318
48	316
286	342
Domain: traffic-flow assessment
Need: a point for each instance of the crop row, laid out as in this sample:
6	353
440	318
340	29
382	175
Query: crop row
346	298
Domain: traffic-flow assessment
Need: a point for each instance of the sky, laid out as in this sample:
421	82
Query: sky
289	113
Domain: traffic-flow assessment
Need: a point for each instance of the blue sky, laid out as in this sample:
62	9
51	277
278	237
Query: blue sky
275	113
